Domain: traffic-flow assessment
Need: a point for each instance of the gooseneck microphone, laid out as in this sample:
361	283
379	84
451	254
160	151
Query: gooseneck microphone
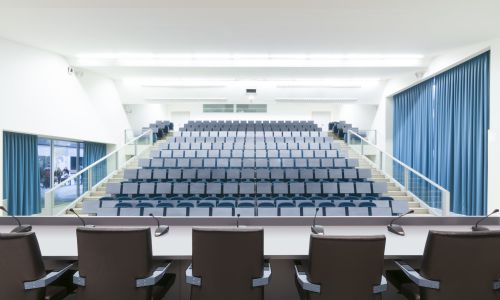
398	229
317	229
80	218
482	228
238	221
20	227
160	230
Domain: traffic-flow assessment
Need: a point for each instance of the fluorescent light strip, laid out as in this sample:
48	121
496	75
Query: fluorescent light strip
315	100
182	100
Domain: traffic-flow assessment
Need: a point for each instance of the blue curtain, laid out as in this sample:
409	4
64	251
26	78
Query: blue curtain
441	130
93	152
21	178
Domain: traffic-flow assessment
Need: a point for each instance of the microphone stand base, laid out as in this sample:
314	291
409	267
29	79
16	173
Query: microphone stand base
396	229
22	228
480	228
317	229
161	231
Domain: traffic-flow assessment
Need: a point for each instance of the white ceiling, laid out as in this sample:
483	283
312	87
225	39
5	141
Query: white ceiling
269	27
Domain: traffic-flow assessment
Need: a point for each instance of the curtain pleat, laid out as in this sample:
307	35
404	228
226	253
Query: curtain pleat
92	153
441	130
21	178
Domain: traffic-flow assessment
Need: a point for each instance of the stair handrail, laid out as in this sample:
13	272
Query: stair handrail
445	194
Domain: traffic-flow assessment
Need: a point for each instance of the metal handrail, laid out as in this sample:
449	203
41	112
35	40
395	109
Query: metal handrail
97	162
445	203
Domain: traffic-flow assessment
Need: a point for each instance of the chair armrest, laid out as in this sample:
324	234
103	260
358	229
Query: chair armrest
266	276
46	280
78	280
416	277
190	279
496	285
382	287
153	278
304	283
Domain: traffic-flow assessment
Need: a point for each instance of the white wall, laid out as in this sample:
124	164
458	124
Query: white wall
38	96
361	115
383	118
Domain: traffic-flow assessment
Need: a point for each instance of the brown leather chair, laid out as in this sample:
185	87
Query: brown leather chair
118	264
456	265
22	271
342	267
228	264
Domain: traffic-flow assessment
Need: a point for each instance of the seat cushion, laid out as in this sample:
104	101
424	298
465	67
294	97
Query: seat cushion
404	285
162	287
55	292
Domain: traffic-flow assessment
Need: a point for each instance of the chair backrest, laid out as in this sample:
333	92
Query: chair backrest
111	260
227	260
346	267
465	264
20	261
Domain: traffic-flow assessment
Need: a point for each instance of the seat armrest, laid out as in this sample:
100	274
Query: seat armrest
266	276
416	277
153	278
305	284
382	287
47	279
190	279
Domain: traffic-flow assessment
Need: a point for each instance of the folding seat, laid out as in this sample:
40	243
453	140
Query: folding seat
364	174
261	163
330	188
185	146
287	163
145	174
263	188
204	174
293	146
233	174
326	163
206	146
163	188
180	188
197	188
321	174
147	189
249	163
174	146
350	174
358	211
325	146
296	153
144	163
174	174
219	174
214	188
280	189
177	153
297	188
248	154
331	153
272	153
223	163
170	162
246	189
262	174
284	154
214	153
189	174
185	204
346	188
226	203
274	163
189	153
267	212
209	163
239	146
260	146
379	188
130	174
130	188
301	163
399	207
206	204
314	146
237	153
291	174
157	163
308	153
225	154
319	153
261	154
306	174
281	146
165	154
335	211
277	174
363	188
202	153
248	174
230	188
222	133
183	162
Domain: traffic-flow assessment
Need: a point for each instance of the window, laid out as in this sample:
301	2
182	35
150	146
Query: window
218	108
251	108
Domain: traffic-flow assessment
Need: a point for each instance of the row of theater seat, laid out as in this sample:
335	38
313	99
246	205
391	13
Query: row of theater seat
245	212
248	162
248	174
250	140
228	153
274	133
248	146
275	188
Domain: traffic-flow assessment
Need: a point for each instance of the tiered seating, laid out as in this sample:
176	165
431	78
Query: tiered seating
250	126
340	128
213	174
160	129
